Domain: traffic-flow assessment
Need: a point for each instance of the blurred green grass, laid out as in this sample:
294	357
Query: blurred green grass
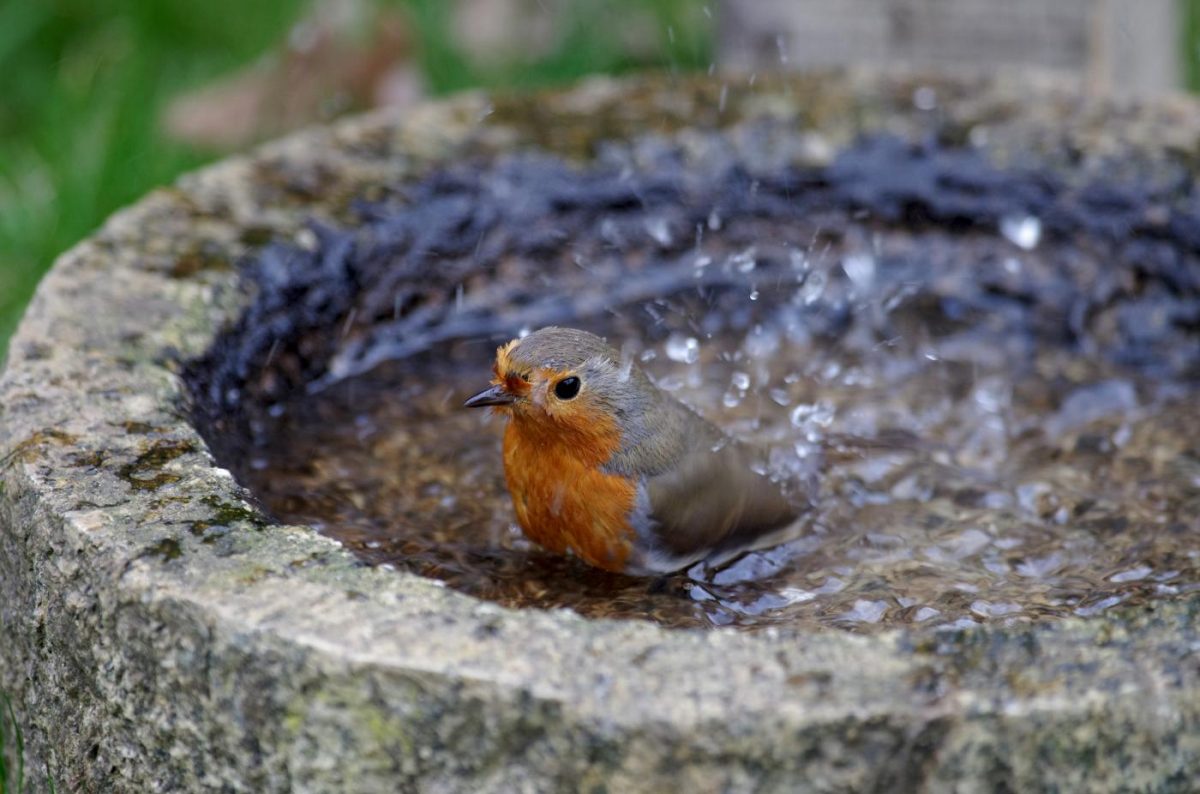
12	772
85	81
1189	44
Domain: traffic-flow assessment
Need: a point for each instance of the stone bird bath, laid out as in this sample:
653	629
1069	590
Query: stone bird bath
169	622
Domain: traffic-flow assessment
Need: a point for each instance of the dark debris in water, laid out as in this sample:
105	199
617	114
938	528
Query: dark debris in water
910	298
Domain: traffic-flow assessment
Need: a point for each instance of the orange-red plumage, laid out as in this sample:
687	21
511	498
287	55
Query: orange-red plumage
563	500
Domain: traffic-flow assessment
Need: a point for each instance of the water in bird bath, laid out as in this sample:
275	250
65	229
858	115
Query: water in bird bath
981	383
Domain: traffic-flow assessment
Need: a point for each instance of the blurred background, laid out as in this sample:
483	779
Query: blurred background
104	99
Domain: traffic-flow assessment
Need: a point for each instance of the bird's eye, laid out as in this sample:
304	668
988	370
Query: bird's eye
567	388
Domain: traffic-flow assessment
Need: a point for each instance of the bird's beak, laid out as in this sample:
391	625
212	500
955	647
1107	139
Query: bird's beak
493	395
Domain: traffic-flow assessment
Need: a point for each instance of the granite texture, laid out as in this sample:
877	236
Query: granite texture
159	634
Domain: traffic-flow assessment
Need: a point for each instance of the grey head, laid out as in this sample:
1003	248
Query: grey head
562	349
564	373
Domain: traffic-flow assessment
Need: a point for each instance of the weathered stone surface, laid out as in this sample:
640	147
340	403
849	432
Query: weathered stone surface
159	634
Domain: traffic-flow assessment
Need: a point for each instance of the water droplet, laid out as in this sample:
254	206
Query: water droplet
660	232
779	396
814	287
1023	231
745	260
925	98
714	221
925	613
731	399
860	268
740	381
684	349
307	239
807	414
648	355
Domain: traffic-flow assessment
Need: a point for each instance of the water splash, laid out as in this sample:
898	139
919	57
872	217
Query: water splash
1024	231
968	450
684	349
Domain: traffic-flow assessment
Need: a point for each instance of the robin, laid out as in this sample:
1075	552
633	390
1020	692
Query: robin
602	464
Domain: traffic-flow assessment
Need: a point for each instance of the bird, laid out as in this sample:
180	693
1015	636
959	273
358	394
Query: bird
602	464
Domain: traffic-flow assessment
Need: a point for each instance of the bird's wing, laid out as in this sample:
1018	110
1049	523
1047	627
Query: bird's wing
712	503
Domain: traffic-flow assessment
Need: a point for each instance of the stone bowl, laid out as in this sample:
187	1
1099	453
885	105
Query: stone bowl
161	632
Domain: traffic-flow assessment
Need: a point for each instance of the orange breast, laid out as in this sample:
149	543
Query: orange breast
563	500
